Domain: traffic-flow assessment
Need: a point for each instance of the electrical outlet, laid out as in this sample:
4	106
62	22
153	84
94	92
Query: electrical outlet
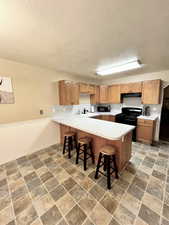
41	112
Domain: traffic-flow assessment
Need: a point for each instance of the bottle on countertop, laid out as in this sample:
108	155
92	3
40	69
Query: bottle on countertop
146	111
92	109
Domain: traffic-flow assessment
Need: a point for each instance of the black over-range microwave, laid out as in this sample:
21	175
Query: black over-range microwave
104	108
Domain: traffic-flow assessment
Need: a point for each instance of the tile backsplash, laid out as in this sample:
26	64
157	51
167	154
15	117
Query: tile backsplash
73	109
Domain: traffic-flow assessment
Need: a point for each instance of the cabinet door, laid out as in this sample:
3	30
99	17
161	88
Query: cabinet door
114	94
108	118
95	98
103	94
112	118
146	130
145	134
131	88
74	94
151	92
68	93
64	92
97	117
92	89
84	88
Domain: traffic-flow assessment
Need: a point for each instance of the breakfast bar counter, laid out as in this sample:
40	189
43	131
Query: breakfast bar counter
101	132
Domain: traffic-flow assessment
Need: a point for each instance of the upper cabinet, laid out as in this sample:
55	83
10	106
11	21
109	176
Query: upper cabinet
87	88
104	94
84	88
68	93
95	98
151	91
114	94
131	88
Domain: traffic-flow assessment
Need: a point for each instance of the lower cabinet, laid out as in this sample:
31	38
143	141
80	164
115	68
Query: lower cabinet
146	130
110	118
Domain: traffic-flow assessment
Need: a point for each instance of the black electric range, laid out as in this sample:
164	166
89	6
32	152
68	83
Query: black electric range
129	116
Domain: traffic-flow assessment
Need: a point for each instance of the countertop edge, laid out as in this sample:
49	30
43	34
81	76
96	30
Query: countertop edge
93	133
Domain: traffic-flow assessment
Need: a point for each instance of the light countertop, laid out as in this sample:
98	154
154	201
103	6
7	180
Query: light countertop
112	113
152	117
105	129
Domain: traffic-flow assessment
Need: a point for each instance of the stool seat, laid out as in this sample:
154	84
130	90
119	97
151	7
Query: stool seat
107	153
85	148
69	134
84	140
108	150
69	142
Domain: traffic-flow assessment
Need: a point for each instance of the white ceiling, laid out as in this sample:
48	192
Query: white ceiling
77	36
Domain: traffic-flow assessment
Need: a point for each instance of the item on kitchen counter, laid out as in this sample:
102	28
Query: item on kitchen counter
104	108
85	111
129	116
146	111
92	109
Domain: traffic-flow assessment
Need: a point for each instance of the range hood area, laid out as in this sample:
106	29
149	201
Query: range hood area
129	95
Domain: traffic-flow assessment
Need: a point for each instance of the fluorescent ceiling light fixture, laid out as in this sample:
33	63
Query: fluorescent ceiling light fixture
119	68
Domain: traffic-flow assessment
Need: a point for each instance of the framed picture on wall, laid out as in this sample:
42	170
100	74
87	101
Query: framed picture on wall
6	91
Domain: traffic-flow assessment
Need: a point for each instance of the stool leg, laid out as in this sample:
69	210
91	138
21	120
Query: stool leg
98	165
91	152
75	142
71	142
108	172
115	167
105	163
64	145
77	155
85	156
69	147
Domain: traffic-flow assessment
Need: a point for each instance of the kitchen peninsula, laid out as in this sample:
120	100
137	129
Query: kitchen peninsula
101	132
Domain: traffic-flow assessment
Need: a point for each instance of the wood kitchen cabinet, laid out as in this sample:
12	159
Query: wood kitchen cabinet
110	118
114	94
68	93
84	88
104	94
87	88
145	130
131	88
151	92
97	117
92	89
95	98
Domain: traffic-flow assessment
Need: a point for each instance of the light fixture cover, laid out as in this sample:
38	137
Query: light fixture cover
130	65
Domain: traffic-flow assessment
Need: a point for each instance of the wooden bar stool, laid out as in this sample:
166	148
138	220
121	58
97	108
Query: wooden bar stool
85	147
69	142
107	153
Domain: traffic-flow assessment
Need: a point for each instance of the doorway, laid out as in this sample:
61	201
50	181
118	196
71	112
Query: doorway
164	124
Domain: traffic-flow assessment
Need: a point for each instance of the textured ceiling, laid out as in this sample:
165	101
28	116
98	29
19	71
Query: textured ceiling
77	36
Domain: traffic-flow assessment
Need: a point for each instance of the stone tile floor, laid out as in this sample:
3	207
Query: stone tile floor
45	188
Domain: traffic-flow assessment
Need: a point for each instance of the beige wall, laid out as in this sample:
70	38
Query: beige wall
34	88
21	138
